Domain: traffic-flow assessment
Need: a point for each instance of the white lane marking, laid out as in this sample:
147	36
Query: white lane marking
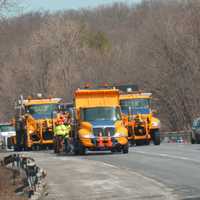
167	191
189	147
109	165
167	156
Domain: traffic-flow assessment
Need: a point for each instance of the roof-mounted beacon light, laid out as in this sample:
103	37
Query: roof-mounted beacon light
39	95
147	94
129	90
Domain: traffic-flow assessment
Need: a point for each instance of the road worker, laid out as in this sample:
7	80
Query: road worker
61	135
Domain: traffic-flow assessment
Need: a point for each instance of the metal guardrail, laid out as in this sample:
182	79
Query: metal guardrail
177	136
33	174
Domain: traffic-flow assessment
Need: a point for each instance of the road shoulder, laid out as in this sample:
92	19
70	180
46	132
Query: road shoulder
74	178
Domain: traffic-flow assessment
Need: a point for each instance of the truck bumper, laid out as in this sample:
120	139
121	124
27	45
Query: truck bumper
105	144
141	137
47	142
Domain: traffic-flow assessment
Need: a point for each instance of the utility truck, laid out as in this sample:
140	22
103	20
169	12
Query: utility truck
99	124
34	122
7	131
138	116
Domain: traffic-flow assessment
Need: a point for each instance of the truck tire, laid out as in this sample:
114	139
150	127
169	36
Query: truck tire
18	148
156	137
79	149
197	139
193	141
147	142
125	149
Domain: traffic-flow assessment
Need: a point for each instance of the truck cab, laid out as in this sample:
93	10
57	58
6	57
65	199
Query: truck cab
35	118
99	120
138	117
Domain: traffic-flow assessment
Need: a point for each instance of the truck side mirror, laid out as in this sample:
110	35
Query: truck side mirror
154	111
54	114
129	113
129	110
59	107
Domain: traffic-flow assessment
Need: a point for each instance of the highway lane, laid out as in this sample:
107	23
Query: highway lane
147	172
175	165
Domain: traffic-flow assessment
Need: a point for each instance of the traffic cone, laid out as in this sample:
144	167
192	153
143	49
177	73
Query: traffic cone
100	140
109	143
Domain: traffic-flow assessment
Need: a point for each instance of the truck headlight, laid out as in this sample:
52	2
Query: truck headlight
118	135
30	131
156	124
88	136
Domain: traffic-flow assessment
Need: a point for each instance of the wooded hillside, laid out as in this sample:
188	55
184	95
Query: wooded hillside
155	44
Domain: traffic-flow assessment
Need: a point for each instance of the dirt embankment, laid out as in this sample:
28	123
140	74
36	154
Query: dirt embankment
9	182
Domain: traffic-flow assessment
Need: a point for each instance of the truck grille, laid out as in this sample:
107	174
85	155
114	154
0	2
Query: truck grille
104	131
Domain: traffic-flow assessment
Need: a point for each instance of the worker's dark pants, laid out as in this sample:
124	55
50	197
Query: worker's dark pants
58	143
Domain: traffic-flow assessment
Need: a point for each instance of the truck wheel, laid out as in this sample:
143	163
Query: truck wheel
147	142
18	148
79	149
156	137
132	143
197	139
113	150
193	141
125	149
34	147
116	150
82	150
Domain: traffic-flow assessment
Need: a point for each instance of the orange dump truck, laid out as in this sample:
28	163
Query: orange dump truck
138	117
99	123
34	122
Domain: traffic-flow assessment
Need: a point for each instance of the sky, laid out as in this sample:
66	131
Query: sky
55	5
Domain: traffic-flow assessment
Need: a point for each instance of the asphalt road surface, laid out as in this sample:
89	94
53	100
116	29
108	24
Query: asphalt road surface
177	166
168	171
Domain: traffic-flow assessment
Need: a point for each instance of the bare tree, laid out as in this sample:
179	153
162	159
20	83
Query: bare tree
154	44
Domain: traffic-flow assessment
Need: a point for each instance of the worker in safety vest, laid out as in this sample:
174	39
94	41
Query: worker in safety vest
61	135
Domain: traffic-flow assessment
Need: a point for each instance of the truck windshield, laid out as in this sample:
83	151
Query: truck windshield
135	105
6	128
42	110
100	113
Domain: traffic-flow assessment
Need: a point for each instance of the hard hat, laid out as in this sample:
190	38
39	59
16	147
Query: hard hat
61	117
60	121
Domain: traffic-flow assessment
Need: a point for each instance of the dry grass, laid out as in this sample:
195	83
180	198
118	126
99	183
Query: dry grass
8	186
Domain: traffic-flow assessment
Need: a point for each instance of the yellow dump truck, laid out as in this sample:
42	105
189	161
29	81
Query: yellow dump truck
138	117
99	124
34	122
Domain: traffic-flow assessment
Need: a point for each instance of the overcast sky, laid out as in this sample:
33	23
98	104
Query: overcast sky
54	5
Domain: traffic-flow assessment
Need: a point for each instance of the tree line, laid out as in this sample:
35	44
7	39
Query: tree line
155	44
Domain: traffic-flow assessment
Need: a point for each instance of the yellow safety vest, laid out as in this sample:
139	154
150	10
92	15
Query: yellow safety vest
62	130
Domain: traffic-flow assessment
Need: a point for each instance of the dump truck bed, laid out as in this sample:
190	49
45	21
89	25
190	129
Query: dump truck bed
85	98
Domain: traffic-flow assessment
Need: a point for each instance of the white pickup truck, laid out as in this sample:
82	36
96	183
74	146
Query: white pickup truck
6	132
